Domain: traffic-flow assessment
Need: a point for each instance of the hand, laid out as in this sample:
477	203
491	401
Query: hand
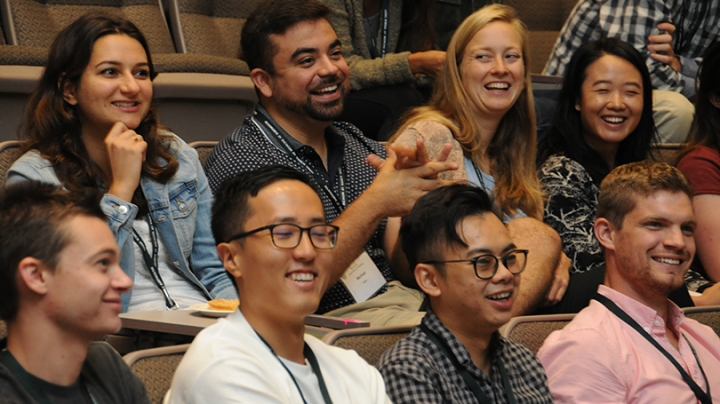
430	63
394	191
126	154
560	282
661	46
709	297
409	157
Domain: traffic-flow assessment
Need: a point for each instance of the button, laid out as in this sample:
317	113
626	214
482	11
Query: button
161	218
657	323
176	263
182	207
122	209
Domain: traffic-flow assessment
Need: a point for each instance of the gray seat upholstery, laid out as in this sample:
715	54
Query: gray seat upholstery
369	342
156	367
708	315
531	331
10	151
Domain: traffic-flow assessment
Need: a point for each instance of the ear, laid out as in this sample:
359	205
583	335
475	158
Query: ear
577	105
715	100
226	252
605	232
34	274
426	276
262	81
69	92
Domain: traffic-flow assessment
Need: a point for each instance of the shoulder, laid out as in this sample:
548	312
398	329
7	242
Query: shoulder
105	370
410	353
32	166
430	131
700	154
357	140
561	171
559	164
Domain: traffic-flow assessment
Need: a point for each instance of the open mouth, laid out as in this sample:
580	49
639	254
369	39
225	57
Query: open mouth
614	119
497	86
500	296
125	104
301	276
669	261
326	90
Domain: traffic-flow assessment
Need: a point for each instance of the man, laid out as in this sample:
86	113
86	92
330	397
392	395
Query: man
649	25
631	344
60	287
469	267
276	243
301	79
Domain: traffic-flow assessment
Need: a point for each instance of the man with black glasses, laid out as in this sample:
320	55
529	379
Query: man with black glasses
469	268
276	244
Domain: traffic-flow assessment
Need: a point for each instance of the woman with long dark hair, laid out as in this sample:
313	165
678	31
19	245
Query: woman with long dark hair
89	124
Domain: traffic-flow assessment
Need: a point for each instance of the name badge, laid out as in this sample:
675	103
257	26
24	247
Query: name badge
363	278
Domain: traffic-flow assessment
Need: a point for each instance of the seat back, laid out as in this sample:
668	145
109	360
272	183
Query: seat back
369	342
203	148
531	331
156	367
708	315
666	152
10	151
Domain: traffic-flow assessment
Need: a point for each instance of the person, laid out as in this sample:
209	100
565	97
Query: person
389	48
89	125
483	107
631	344
470	269
603	119
700	161
60	287
672	62
301	86
275	241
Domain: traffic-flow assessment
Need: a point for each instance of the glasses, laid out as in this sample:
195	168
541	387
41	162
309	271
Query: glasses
322	236
486	265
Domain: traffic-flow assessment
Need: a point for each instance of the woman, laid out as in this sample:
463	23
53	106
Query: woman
603	119
89	124
700	162
483	107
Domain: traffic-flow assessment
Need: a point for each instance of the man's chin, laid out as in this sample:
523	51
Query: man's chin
327	112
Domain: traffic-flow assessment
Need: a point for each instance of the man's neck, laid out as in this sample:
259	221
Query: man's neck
302	128
475	339
44	350
286	338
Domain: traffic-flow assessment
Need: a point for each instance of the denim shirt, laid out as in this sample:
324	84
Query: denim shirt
180	208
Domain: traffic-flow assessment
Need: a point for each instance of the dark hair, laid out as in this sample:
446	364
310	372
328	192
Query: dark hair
32	224
620	189
417	32
431	227
231	209
52	126
565	135
275	17
705	130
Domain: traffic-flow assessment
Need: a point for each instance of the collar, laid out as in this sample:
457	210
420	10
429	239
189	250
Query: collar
647	317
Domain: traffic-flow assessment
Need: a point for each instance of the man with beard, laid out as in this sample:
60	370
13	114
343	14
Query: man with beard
301	79
632	344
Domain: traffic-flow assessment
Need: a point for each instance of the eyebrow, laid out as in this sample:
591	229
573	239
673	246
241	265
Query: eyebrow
628	83
116	63
107	251
294	220
481	251
300	51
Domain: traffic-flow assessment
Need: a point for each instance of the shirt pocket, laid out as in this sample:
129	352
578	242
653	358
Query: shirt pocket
183	209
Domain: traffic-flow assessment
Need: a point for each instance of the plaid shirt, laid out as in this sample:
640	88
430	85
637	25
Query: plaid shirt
416	371
633	21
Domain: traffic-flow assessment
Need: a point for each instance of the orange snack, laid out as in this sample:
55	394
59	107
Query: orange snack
224	304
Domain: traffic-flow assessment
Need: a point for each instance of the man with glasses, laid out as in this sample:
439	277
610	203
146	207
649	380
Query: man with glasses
276	244
469	268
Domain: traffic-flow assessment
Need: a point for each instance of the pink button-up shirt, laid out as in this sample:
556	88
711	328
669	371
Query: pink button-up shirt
598	358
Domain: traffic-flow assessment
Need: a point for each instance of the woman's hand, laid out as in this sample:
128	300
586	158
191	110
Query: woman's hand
126	153
429	62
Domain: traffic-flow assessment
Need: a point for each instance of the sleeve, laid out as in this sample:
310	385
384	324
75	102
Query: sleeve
702	168
107	375
435	135
581	26
577	374
570	210
365	72
410	380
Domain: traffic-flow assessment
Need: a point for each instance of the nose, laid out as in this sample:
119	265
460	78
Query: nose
675	239
499	67
328	67
120	280
502	274
305	251
615	102
129	84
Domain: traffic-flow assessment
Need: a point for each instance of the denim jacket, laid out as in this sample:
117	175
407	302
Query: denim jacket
180	208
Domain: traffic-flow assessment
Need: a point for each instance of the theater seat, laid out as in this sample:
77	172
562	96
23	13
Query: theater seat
156	367
531	331
369	342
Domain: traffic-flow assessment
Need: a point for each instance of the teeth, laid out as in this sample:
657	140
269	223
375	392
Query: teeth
328	89
498	86
668	261
124	104
614	119
301	277
500	296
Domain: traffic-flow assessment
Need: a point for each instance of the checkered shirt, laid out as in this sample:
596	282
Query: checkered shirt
633	21
416	371
247	149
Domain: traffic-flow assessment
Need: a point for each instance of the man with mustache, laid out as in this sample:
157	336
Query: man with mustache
632	344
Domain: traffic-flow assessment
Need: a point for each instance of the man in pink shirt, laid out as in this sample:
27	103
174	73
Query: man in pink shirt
631	344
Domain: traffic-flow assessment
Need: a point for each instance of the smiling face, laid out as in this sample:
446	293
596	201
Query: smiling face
463	296
115	86
655	246
85	287
611	103
311	77
280	284
492	69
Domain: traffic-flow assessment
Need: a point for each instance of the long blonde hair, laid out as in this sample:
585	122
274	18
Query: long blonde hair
512	150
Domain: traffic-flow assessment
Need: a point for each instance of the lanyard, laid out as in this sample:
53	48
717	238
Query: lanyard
480	177
152	262
310	356
469	381
272	130
702	396
385	22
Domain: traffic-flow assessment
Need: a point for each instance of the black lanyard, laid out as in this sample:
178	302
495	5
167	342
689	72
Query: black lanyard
152	262
310	356
480	178
701	395
385	22
341	202
469	380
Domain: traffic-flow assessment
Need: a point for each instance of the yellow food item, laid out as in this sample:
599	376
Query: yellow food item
224	304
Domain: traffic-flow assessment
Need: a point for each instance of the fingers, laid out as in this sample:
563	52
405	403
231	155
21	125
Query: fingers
444	153
421	151
667	26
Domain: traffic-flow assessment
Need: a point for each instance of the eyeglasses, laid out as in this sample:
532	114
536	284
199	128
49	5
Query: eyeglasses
285	235
486	265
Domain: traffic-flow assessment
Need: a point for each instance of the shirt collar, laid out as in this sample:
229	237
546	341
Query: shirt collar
647	317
